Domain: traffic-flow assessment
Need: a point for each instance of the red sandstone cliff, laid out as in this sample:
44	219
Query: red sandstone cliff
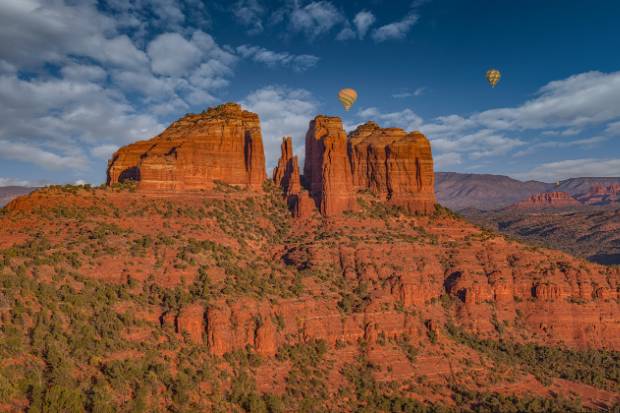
327	170
223	143
394	165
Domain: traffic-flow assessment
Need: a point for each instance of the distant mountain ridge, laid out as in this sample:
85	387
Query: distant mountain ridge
492	192
7	193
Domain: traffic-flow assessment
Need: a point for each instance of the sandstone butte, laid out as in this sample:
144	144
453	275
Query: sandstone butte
220	144
378	284
548	200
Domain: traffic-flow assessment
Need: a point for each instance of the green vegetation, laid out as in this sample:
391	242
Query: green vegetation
599	368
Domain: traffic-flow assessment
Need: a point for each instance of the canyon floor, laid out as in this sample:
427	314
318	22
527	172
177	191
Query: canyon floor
120	300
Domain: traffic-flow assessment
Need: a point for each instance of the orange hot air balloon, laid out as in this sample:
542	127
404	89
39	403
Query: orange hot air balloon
347	97
493	76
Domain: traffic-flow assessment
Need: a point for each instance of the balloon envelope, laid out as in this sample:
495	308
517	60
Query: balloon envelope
493	76
347	97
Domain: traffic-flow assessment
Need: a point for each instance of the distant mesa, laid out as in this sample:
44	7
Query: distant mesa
548	200
225	144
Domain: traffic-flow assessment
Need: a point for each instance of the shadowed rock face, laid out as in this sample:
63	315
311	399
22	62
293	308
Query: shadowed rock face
286	176
224	143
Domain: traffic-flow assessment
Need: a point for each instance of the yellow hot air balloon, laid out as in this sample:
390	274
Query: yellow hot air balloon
347	97
493	76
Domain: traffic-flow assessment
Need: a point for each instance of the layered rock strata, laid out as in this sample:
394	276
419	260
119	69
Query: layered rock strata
221	144
396	166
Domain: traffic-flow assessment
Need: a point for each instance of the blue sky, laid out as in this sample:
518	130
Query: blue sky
79	78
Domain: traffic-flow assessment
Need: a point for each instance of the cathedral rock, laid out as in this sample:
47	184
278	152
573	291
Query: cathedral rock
225	144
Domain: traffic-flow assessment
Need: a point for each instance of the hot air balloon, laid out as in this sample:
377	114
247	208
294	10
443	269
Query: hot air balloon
493	76
347	97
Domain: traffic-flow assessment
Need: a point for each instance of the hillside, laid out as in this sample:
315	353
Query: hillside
585	231
492	192
345	290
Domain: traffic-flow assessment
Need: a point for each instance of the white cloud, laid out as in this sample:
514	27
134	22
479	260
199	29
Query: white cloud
578	101
283	112
347	33
405	119
81	72
407	94
447	159
613	129
395	30
62	109
250	14
172	55
34	30
104	151
45	158
15	182
587	167
314	19
363	20
298	63
536	147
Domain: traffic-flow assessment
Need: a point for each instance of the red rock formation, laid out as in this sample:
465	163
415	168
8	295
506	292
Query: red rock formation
286	173
601	195
327	170
286	176
548	200
395	165
223	143
191	322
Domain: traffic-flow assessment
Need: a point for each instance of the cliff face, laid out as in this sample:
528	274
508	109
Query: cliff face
327	170
394	165
224	143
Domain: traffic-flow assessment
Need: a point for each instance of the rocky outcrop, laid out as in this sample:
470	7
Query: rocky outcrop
548	200
286	173
221	144
396	166
327	169
190	321
286	176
